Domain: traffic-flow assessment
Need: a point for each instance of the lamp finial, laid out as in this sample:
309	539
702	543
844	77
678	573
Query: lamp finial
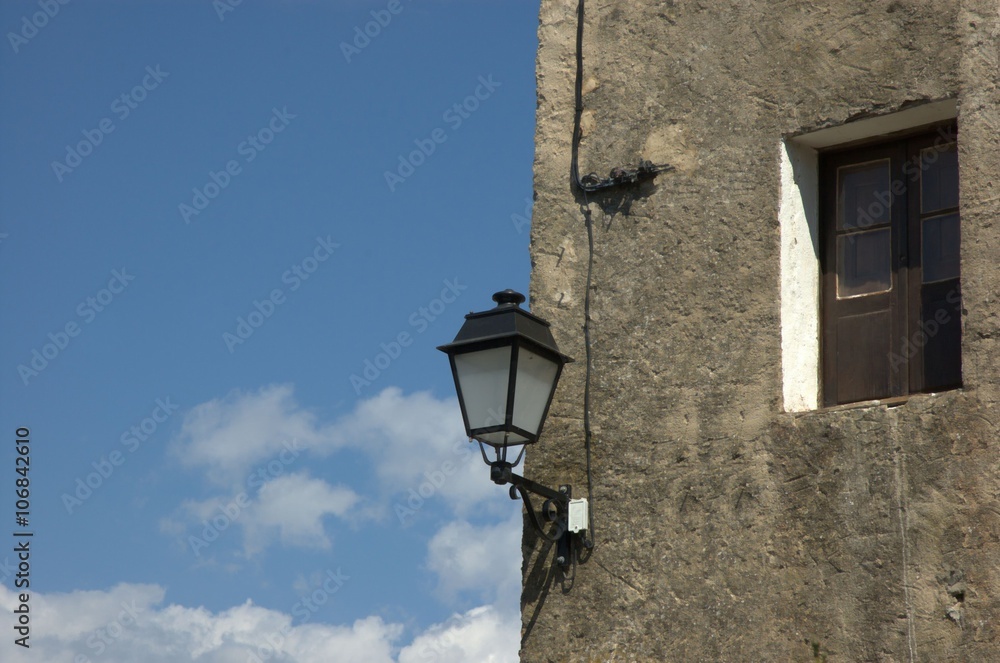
508	297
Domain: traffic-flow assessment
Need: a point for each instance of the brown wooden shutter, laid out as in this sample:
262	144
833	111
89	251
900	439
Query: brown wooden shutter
890	237
935	335
863	295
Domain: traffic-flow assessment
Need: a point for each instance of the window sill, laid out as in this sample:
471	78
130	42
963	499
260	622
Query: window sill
886	403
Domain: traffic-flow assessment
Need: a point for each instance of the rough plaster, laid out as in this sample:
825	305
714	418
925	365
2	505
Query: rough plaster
727	528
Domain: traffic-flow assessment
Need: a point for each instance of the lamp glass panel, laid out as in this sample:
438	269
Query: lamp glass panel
536	375
483	377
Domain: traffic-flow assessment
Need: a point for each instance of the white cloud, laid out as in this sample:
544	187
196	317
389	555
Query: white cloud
418	444
296	505
228	436
418	454
414	441
481	635
129	623
485	561
79	614
289	509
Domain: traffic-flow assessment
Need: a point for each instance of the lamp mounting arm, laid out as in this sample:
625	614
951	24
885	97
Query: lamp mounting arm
502	472
555	509
560	533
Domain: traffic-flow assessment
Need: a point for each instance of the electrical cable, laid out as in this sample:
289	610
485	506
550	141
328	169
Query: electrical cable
618	177
589	541
575	150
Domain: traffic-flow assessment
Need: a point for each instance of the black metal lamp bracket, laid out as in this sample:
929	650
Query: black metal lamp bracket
555	509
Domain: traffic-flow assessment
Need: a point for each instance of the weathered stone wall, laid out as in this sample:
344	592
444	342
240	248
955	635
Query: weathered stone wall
727	529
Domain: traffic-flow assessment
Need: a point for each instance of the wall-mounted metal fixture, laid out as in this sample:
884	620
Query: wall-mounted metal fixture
506	367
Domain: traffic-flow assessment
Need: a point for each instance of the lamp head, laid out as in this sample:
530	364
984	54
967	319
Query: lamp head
506	366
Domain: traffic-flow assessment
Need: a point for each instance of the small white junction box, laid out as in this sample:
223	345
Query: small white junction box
579	517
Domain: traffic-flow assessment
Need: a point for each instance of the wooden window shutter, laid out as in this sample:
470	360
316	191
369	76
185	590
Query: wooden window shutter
863	293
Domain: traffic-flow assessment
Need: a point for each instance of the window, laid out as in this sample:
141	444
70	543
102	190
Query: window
891	282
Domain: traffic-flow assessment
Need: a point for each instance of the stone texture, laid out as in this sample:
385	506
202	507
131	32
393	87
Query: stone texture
727	529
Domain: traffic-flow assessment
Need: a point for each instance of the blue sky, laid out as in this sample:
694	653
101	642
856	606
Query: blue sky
201	253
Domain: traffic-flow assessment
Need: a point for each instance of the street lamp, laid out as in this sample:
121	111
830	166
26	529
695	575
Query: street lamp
506	366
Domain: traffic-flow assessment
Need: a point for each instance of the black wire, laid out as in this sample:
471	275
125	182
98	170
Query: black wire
578	94
589	543
617	178
575	151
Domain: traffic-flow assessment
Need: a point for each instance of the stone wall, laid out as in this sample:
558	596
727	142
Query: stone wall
726	528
